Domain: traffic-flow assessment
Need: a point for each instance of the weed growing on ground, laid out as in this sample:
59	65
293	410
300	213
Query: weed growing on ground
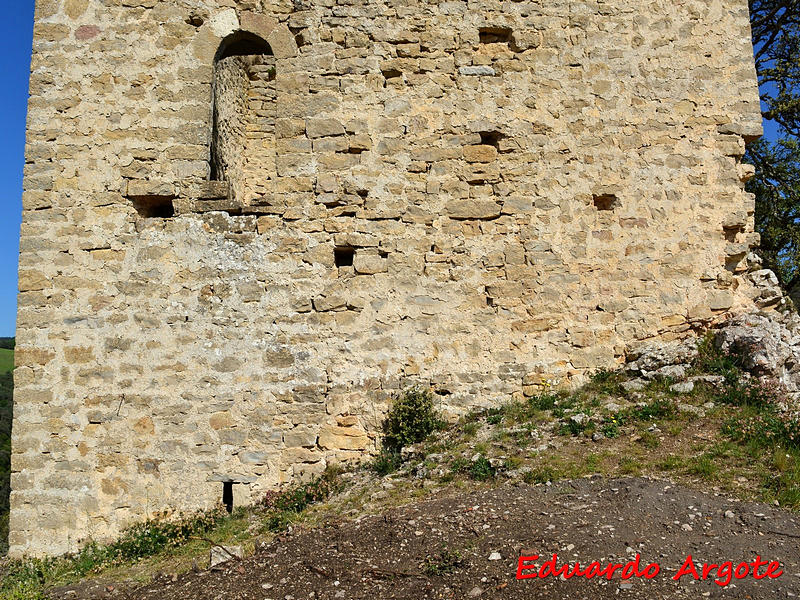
470	429
541	474
606	382
283	507
443	563
481	469
630	466
610	428
387	461
703	466
494	416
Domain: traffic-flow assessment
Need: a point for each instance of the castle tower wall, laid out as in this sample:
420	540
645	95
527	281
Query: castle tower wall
486	197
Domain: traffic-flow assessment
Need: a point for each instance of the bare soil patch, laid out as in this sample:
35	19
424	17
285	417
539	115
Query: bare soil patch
441	548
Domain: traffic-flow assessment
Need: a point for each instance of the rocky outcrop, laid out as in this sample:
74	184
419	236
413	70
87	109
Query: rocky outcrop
769	345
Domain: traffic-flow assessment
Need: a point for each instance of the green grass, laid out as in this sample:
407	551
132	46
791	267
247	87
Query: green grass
6	394
6	360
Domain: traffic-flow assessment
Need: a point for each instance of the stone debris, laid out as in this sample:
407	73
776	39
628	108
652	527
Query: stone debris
690	408
669	359
683	387
222	554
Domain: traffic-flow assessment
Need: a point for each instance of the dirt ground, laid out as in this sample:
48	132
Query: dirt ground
468	546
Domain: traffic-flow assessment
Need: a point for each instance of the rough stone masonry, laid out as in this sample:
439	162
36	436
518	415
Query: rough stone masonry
248	224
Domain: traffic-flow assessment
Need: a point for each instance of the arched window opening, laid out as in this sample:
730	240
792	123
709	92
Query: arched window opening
242	139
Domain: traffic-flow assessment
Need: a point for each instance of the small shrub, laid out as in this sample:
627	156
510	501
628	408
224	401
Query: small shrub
610	428
299	497
740	390
481	469
471	428
386	462
607	382
571	427
156	535
765	428
494	416
411	419
278	521
458	465
712	360
284	506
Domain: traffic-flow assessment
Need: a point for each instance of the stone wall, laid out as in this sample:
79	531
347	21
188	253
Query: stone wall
485	197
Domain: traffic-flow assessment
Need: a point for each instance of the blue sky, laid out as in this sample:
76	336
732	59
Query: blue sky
16	31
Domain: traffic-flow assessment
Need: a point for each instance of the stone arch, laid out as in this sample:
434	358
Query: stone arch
243	121
229	21
242	43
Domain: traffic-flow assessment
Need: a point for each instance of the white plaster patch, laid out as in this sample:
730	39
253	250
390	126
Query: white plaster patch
224	23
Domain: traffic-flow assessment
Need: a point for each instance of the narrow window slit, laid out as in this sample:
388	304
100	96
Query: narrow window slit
227	495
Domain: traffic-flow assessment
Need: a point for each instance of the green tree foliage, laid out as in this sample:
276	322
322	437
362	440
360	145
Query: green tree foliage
776	41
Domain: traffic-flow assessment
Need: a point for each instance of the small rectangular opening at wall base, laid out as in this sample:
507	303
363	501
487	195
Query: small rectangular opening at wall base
227	495
154	207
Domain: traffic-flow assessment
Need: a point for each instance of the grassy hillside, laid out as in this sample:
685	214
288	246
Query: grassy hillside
6	361
6	391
